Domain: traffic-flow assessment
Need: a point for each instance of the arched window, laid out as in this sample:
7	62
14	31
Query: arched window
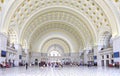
54	53
105	40
55	50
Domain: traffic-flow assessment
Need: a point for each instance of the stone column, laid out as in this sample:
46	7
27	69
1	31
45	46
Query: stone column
3	41
99	60
27	55
116	48
96	53
18	47
81	54
85	56
3	45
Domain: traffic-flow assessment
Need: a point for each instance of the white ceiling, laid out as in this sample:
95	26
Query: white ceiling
77	22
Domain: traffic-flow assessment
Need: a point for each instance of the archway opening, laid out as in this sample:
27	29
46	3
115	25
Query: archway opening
54	53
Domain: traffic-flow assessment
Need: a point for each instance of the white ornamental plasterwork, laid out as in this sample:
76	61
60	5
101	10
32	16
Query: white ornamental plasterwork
46	19
88	7
57	41
41	21
56	27
116	3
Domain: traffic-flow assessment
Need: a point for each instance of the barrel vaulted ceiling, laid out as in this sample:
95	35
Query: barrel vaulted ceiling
77	22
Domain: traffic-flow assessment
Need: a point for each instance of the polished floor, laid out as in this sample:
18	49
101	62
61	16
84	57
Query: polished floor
65	71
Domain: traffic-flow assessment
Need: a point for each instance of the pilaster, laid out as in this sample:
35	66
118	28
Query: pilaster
3	46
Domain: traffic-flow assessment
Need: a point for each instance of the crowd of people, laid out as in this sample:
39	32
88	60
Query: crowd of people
6	64
50	64
56	64
44	64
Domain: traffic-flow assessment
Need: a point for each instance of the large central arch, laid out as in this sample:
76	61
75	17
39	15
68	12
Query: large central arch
81	6
85	19
42	20
55	41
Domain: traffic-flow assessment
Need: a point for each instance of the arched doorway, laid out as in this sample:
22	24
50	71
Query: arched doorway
55	53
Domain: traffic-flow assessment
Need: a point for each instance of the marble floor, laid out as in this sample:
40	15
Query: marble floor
65	71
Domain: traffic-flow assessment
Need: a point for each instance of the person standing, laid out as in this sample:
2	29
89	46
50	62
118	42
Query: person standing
26	66
4	65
